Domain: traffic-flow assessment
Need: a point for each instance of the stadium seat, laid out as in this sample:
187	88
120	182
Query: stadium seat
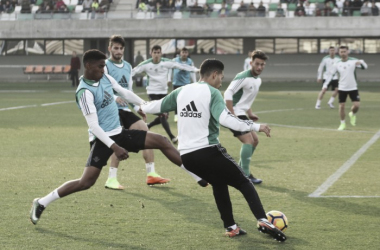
219	1
210	1
275	1
78	8
39	2
74	2
292	7
272	14
273	7
185	14
356	13
291	13
29	70
66	69
201	2
58	69
140	15
177	15
17	9
34	8
48	70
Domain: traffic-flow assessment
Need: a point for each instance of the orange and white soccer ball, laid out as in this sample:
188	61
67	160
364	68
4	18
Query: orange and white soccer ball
278	219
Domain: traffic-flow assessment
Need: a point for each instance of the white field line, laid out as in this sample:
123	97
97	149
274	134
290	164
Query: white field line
324	129
19	107
346	166
346	196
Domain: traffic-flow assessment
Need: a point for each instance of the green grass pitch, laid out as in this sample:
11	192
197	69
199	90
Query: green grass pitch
43	146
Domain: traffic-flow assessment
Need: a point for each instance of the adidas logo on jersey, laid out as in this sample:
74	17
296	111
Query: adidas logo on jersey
190	111
107	99
123	82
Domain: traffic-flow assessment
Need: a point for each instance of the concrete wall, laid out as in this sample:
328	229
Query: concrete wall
292	67
194	28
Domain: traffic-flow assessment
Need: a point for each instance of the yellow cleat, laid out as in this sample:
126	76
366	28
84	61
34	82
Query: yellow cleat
342	126
112	183
352	118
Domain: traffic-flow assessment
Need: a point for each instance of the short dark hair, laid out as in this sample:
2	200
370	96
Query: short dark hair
332	47
184	49
209	66
93	55
343	47
259	54
116	39
156	47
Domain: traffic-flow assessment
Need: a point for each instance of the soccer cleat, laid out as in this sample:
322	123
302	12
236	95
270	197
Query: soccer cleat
264	226
203	183
330	105
233	233
352	118
175	118
112	183
342	126
36	211
254	180
175	140
317	106
156	179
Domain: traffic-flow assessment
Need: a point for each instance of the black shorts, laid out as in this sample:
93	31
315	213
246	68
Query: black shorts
333	84
127	118
354	96
214	165
237	133
131	140
153	97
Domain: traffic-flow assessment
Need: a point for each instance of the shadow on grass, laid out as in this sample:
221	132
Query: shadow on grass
98	242
331	203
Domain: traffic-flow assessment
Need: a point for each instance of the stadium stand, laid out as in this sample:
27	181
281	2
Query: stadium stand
47	70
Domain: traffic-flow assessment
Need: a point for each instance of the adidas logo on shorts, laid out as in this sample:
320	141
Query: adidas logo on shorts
190	111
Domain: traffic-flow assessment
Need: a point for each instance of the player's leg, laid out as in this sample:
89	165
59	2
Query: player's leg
156	141
355	98
249	143
165	125
157	120
320	95
216	166
334	87
342	115
98	158
148	155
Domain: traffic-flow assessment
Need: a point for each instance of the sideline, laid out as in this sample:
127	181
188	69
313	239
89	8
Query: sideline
346	166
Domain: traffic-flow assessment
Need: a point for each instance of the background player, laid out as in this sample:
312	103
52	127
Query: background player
247	61
182	77
157	68
121	71
323	69
348	85
239	97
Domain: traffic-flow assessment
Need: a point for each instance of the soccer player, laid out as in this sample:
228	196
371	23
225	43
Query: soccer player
201	111
157	68
121	70
182	77
348	85
94	96
324	67
247	61
239	97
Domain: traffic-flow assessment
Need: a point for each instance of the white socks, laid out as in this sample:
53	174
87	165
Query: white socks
318	103
112	173
150	167
342	121
44	201
196	177
331	99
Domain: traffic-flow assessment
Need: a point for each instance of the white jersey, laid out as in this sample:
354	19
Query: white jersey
325	67
246	63
346	70
201	110
158	73
243	91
